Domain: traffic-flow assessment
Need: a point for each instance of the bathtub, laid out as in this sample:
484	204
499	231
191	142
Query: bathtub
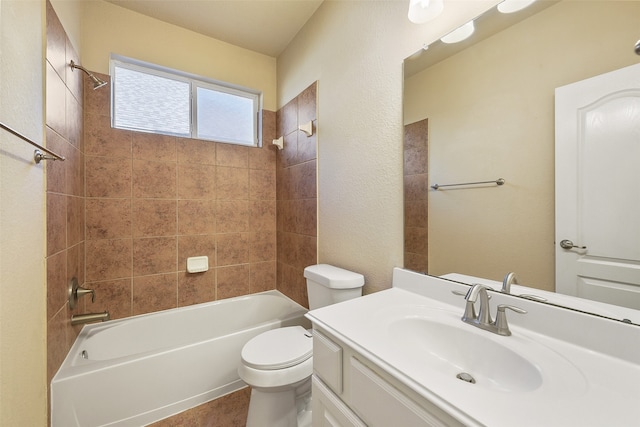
138	370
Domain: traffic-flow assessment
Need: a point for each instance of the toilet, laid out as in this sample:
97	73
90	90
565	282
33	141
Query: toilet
277	364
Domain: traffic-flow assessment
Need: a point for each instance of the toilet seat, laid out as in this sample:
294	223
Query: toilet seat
278	349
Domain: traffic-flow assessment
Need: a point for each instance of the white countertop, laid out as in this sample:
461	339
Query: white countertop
589	367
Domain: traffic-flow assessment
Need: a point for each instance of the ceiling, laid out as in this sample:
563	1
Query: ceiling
265	26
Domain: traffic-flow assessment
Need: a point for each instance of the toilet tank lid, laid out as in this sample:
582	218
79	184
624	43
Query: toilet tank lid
334	277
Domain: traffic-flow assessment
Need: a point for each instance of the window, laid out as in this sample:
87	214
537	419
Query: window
154	99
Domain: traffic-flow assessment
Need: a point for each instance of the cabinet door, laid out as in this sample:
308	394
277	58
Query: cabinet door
382	405
328	410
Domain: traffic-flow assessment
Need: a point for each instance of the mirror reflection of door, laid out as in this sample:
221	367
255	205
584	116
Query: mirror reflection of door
415	195
598	188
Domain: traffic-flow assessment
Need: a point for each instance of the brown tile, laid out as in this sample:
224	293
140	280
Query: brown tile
114	296
307	248
75	262
74	120
285	216
262	184
287	118
232	216
306	147
55	102
154	293
56	39
307	104
232	183
262	246
415	161
196	288
75	220
196	181
262	215
193	246
154	179
288	156
196	217
103	140
56	283
97	101
57	347
146	146
183	419
416	135
74	171
232	248
152	217
56	223
263	276
232	155
415	213
415	240
56	170
291	283
232	281
108	177
287	248
305	217
74	79
228	411
416	262
154	255
416	187
108	259
303	177
108	218
196	151
284	183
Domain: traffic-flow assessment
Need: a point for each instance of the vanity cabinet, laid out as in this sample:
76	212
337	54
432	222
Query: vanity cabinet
350	390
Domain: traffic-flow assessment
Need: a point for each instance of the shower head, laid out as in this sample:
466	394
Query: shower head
97	83
637	48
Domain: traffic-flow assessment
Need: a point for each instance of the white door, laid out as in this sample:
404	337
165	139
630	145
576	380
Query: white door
598	188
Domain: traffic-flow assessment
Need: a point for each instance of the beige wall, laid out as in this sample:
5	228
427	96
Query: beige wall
110	29
355	51
22	217
491	115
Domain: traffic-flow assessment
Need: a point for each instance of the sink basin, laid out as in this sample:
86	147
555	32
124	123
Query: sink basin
452	350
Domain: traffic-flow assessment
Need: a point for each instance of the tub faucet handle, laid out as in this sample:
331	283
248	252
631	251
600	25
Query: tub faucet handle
75	291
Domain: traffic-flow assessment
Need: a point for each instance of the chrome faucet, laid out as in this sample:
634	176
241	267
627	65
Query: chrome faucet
509	279
78	319
483	319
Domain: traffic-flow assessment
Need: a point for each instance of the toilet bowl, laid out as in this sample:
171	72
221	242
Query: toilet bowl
278	364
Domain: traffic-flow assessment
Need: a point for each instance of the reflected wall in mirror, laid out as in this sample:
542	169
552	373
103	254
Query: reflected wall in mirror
489	111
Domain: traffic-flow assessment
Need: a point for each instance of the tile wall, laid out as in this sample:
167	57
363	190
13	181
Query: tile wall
152	201
415	195
65	190
297	194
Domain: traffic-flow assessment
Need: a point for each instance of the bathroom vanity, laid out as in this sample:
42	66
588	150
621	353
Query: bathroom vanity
403	357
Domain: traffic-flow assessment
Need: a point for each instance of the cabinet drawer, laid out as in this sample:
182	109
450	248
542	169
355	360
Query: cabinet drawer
379	403
327	361
329	410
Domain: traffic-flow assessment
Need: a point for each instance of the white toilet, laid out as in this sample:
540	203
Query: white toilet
277	364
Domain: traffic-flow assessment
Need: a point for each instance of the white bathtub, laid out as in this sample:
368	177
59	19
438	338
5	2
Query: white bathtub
145	368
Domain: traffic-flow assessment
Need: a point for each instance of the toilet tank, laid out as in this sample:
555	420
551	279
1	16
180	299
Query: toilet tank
328	285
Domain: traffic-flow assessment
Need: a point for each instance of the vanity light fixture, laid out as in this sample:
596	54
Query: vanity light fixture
421	11
511	6
459	34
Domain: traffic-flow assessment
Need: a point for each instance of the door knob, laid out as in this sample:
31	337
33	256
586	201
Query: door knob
568	244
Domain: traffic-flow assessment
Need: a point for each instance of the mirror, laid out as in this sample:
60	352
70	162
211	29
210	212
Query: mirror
487	106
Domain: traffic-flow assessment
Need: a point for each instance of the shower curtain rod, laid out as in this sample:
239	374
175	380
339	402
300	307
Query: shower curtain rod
37	155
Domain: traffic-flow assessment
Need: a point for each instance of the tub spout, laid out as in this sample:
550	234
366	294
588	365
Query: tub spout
78	319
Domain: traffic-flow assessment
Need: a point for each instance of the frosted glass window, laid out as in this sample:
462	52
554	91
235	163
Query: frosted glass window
155	99
151	103
225	117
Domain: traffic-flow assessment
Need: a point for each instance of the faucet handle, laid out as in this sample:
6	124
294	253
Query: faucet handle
501	318
83	291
